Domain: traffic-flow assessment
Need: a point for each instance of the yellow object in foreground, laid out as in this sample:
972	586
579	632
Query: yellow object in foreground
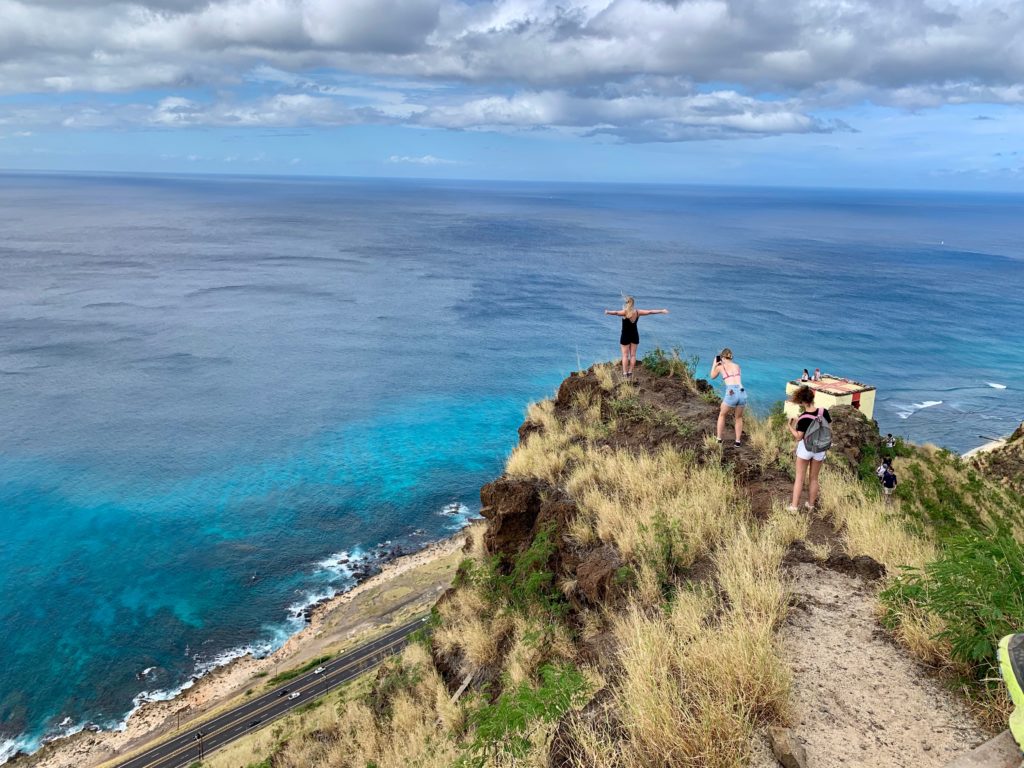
1011	667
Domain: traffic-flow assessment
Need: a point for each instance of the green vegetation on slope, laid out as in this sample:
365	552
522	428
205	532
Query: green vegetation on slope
972	592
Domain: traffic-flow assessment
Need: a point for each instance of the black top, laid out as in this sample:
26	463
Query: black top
630	334
889	479
807	418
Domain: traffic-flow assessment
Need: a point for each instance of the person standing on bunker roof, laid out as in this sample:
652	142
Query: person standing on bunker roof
735	396
629	338
813	432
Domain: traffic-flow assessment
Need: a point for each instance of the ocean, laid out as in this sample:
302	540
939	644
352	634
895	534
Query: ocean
215	390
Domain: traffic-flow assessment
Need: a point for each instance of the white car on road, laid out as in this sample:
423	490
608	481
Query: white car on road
293	695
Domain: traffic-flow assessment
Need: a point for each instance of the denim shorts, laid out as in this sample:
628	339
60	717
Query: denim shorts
735	396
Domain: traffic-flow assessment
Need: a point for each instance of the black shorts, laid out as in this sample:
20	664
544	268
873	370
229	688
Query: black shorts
629	338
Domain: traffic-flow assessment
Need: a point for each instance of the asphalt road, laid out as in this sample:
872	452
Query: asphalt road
184	749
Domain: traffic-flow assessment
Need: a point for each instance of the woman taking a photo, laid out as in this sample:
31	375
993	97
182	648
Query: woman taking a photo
813	432
629	338
735	396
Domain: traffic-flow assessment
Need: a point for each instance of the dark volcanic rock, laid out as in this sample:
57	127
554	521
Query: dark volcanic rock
511	507
1005	464
851	432
862	565
787	748
581	381
595	575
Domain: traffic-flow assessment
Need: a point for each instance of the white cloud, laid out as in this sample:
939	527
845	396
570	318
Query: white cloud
639	70
422	160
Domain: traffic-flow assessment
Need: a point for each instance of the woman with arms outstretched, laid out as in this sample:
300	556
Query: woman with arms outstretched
629	339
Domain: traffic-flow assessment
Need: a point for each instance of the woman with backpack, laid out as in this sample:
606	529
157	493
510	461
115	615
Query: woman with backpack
735	395
813	432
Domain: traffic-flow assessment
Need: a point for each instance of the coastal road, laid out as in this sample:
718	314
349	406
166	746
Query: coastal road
183	749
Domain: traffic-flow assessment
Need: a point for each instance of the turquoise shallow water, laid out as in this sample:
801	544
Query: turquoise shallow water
205	381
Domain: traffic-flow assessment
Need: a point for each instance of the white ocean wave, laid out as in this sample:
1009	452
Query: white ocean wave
906	411
10	747
338	567
995	386
459	514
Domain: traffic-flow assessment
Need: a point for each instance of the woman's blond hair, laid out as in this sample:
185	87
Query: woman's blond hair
629	307
726	354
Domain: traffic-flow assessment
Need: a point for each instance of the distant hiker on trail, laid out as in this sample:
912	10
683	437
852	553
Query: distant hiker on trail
735	395
806	375
890	441
881	468
817	375
889	483
813	432
629	339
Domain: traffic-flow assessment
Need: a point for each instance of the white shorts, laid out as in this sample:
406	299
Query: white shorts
803	453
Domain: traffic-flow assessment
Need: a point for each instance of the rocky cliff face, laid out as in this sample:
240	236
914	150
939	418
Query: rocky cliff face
1006	463
656	412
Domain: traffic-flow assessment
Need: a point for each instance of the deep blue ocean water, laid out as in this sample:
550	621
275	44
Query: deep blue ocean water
203	381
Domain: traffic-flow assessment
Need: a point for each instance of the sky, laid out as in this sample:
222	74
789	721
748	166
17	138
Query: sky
916	94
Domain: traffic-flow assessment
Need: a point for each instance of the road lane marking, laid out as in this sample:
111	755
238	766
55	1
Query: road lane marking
367	653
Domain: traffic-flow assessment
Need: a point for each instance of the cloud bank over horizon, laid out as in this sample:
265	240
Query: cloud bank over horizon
619	71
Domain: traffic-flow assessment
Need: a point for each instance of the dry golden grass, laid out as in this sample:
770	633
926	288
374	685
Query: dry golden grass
543	455
475	538
869	527
468	629
748	573
917	631
820	552
580	531
692	690
533	645
542	414
771	442
605	373
636	501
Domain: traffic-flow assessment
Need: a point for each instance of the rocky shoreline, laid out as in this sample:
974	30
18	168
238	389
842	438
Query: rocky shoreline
93	746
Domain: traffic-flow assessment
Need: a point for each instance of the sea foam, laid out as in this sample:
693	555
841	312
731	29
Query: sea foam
906	411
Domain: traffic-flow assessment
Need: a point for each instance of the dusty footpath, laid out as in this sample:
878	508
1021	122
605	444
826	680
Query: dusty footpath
406	586
858	699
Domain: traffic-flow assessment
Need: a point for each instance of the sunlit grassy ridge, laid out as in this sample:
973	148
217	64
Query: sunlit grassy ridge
679	662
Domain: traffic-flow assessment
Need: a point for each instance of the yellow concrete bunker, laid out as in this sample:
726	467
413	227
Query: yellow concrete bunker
830	391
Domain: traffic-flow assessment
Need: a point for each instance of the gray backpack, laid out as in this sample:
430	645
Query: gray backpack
818	436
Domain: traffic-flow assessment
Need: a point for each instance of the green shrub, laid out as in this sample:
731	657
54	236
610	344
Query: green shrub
976	586
671	363
527	586
507	726
290	674
668	550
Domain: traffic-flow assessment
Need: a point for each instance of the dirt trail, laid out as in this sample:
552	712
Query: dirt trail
858	699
